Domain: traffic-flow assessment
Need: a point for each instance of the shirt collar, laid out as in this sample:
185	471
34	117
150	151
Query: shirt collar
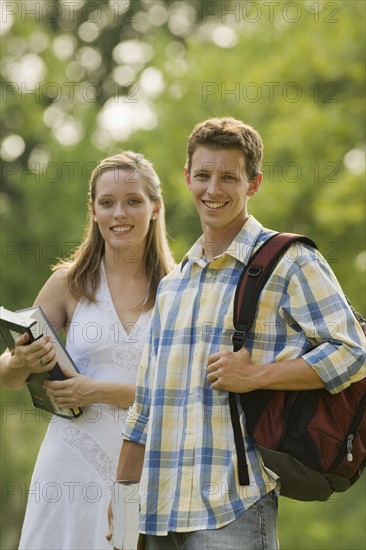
241	247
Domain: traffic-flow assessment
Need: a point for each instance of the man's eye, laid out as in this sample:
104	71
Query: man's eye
228	177
202	176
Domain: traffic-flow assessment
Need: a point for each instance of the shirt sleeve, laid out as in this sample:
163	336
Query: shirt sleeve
136	422
319	306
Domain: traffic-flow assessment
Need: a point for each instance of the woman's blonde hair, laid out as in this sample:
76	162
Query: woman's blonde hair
84	264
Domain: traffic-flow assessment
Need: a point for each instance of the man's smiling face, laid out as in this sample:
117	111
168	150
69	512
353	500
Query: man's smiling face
220	189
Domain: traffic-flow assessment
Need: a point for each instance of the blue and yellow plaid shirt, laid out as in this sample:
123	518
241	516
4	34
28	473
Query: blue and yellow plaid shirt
189	479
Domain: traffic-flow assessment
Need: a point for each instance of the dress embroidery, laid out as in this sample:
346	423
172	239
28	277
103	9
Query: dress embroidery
90	451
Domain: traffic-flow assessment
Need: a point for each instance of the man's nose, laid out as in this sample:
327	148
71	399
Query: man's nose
214	187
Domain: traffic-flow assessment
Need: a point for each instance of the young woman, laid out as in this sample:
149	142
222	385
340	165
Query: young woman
103	299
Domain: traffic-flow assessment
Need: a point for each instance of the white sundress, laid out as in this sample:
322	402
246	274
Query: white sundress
77	461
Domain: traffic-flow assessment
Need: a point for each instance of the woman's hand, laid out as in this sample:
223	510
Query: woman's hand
76	391
39	356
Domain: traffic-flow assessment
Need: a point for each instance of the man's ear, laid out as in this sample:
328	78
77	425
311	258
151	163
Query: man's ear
187	177
255	185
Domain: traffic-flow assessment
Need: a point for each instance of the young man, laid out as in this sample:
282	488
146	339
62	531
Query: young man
304	337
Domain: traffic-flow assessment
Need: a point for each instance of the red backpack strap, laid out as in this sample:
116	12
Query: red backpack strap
251	282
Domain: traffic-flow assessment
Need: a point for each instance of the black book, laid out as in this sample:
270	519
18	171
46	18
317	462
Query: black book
34	322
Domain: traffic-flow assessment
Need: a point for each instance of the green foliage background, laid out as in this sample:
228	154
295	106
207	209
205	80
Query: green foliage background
294	70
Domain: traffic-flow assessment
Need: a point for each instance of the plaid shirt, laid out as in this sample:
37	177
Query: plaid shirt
189	480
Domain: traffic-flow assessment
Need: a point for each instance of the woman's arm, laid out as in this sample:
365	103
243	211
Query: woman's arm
39	356
79	390
18	364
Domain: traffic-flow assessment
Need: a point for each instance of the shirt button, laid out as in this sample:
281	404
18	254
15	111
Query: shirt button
208	275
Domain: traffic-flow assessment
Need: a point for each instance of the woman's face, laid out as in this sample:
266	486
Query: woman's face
123	209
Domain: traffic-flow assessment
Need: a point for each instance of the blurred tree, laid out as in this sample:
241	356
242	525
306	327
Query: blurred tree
81	80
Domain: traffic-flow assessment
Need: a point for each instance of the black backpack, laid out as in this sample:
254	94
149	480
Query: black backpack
313	440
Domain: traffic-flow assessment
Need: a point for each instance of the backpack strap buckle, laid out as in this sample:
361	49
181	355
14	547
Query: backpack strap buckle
238	339
254	271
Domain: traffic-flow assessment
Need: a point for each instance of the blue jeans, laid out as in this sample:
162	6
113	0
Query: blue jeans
255	529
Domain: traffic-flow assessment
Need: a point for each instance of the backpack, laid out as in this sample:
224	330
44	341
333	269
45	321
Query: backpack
313	440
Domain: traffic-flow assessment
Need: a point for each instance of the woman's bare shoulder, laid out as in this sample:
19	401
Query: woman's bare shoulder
58	280
55	297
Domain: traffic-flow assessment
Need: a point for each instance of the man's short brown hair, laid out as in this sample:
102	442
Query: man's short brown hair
228	133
